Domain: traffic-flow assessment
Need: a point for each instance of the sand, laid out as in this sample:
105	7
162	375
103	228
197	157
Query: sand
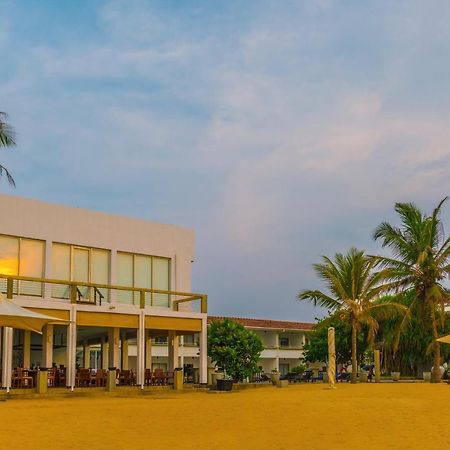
366	416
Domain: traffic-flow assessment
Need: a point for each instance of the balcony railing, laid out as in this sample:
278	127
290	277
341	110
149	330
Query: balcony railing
95	293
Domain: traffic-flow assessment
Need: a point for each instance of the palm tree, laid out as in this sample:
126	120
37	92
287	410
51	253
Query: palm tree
420	263
6	140
353	286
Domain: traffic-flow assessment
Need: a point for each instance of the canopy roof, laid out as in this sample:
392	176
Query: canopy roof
444	339
12	315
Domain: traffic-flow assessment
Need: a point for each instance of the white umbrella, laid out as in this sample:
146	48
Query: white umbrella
14	316
444	339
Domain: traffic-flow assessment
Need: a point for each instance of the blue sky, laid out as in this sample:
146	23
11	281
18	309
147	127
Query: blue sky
279	130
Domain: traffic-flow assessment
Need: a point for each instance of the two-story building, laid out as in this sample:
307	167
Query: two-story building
110	279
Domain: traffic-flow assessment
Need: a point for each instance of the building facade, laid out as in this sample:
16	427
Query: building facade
112	280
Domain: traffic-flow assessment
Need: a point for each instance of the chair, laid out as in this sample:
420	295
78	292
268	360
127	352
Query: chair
99	378
51	377
158	377
125	378
169	377
83	377
148	377
61	377
23	379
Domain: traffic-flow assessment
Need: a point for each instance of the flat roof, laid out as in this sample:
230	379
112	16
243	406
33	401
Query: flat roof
266	323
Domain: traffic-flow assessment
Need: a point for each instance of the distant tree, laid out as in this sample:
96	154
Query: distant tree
317	347
234	349
353	286
7	139
418	267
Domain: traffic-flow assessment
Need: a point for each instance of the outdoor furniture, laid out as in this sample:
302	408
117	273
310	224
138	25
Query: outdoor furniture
51	377
61	377
148	377
159	378
21	379
169	377
83	378
99	379
126	378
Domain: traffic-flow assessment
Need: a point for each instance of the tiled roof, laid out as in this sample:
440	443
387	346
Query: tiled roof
264	323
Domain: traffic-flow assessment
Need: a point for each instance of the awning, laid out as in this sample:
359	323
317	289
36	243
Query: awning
12	315
444	339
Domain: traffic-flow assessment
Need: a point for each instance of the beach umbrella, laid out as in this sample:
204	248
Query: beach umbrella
444	339
14	316
331	358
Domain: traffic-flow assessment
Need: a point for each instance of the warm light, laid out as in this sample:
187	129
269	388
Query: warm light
9	266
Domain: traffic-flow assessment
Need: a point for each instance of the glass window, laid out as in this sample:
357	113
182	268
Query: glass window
284	342
142	276
161	270
100	269
60	269
125	277
31	264
143	271
75	263
9	255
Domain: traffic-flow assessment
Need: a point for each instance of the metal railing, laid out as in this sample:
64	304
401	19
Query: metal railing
141	297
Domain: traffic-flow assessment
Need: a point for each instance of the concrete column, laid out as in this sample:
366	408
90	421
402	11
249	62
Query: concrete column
7	342
104	354
203	361
125	345
376	357
71	364
181	352
86	355
173	350
26	349
47	346
140	342
148	350
113	347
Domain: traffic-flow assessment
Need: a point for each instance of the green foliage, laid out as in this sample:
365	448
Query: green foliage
299	369
234	349
419	264
317	348
7	139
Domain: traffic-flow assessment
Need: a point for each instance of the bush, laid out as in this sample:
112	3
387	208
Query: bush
234	349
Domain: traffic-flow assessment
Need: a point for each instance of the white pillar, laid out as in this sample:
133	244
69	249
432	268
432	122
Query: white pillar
140	342
173	350
71	348
181	363
7	357
26	349
86	355
124	352
47	346
113	347
104	354
203	362
148	350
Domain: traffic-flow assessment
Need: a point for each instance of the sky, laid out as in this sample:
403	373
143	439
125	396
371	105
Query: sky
280	131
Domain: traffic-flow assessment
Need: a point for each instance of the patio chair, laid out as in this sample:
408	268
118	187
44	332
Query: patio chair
99	379
83	378
159	377
148	377
51	377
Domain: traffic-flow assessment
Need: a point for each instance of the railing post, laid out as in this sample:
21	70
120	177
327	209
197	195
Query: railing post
73	293
9	288
204	304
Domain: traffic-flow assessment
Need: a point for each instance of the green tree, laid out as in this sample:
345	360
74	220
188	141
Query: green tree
317	347
234	349
353	285
418	267
7	139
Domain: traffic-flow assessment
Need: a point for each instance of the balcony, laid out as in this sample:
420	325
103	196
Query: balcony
37	290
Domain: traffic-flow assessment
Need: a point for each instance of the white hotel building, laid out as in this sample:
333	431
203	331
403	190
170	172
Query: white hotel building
112	280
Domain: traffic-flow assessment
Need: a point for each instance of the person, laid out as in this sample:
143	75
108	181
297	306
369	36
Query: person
370	374
342	376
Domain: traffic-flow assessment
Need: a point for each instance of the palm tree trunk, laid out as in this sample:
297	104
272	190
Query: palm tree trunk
354	363
436	373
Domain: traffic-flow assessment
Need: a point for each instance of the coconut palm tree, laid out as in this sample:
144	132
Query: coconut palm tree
6	140
353	286
419	265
